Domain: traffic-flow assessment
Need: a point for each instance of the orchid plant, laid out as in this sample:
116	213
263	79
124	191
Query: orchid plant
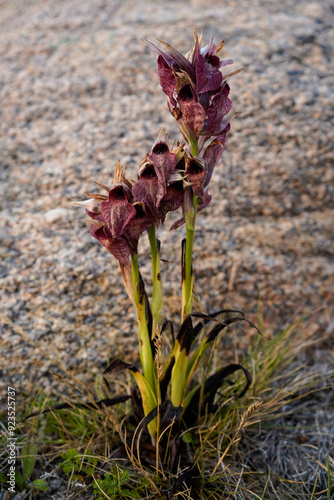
170	179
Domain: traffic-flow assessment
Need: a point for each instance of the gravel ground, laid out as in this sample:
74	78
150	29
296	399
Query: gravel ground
78	91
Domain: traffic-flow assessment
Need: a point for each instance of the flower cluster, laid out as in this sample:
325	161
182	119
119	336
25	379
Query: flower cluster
198	99
197	91
130	208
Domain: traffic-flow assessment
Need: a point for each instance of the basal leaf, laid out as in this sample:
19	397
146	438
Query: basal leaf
29	453
40	484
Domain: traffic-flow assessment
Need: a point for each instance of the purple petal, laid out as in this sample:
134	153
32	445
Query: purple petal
214	151
206	200
197	173
164	163
193	113
172	200
146	191
160	148
140	223
181	61
212	155
117	211
219	107
194	117
167	79
222	135
208	76
118	248
204	100
92	215
186	93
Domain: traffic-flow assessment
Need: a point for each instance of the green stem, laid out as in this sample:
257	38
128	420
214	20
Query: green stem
190	219
187	292
157	299
145	350
194	147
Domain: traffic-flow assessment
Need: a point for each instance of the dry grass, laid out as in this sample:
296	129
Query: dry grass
275	443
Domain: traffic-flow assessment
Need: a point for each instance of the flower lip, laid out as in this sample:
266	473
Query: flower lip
213	60
186	93
147	171
120	191
160	148
140	209
194	167
161	144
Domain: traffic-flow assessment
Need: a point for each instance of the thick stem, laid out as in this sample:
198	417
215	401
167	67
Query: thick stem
191	205
190	211
145	350
188	272
194	147
157	299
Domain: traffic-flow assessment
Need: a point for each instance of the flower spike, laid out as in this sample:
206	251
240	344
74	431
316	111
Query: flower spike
196	89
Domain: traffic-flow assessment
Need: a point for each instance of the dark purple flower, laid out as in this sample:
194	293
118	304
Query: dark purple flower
126	219
119	247
157	186
196	177
214	150
173	199
208	76
118	211
167	79
117	220
192	113
146	190
138	224
163	161
196	172
197	93
219	106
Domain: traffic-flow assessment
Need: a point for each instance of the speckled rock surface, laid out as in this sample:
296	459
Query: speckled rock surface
78	91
